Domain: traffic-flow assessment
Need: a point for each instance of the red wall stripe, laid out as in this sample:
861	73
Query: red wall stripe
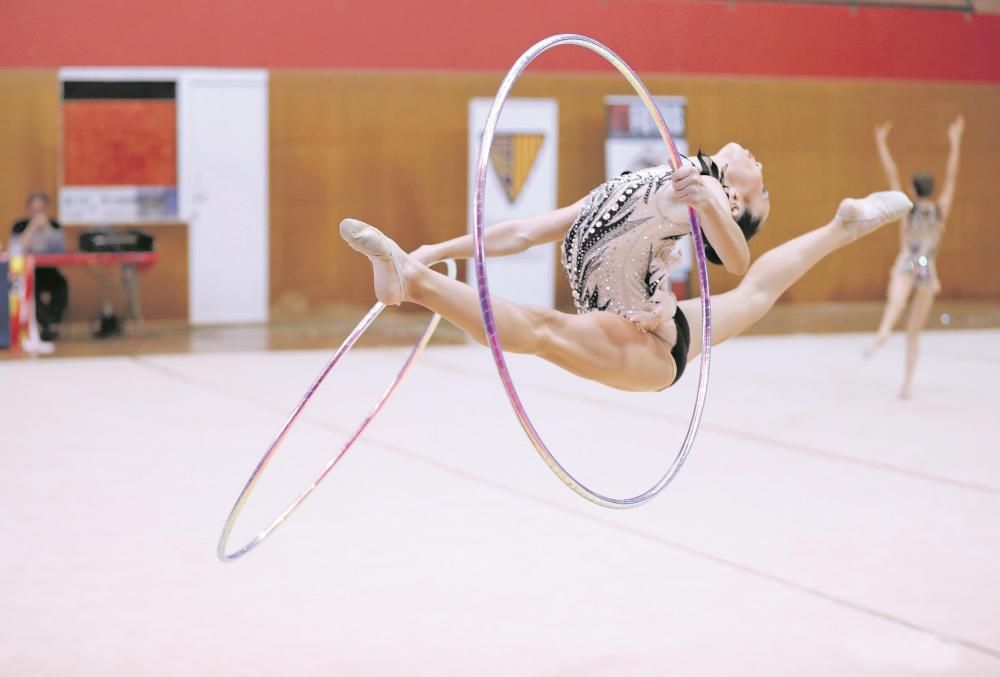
708	37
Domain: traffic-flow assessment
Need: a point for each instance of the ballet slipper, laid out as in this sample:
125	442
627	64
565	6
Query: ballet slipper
385	255
861	217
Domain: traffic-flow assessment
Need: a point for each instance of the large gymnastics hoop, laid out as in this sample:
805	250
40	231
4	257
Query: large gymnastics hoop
484	292
348	343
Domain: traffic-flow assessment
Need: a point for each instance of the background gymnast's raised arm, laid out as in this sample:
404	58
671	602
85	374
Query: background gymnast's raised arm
889	167
955	130
888	164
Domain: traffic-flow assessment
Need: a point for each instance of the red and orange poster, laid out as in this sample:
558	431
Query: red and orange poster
119	152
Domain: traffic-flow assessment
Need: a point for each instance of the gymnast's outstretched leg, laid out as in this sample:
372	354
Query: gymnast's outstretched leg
900	287
920	310
598	346
778	269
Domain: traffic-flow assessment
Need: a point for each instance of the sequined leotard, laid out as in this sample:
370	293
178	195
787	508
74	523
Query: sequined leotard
619	252
921	237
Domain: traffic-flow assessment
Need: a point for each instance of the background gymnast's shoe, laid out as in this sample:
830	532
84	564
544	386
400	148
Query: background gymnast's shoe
384	254
863	216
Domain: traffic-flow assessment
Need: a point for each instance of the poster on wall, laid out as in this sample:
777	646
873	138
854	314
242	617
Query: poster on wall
520	182
119	152
633	142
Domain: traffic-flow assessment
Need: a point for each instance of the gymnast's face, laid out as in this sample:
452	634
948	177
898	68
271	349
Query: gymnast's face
745	178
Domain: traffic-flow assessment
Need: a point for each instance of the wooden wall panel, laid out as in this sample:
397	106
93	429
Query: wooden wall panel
391	148
29	140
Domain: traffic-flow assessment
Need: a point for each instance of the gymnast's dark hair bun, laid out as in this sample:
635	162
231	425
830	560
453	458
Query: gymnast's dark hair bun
748	222
923	183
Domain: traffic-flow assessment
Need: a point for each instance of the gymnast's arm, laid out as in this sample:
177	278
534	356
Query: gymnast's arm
888	165
955	130
707	196
891	173
505	238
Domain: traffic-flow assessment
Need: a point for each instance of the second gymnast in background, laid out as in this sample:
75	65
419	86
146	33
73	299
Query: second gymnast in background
915	271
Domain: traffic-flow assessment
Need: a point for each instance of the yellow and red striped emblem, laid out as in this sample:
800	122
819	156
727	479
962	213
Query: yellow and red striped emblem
512	158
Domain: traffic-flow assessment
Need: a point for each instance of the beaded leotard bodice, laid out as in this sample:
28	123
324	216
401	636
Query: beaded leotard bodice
921	237
619	251
923	230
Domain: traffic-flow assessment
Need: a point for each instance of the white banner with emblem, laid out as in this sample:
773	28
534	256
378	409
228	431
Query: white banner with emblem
520	182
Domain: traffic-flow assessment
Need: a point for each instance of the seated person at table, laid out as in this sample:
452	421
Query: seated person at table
38	234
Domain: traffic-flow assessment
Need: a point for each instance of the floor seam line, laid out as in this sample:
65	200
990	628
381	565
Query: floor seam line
789	447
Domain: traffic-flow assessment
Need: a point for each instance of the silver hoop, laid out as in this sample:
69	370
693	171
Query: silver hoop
484	293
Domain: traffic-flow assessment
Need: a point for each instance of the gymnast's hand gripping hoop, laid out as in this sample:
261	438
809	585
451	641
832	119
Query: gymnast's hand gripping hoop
484	291
490	326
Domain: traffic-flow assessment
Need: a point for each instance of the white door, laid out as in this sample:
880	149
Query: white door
223	147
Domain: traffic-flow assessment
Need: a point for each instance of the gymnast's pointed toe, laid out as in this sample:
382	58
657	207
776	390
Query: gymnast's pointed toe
351	228
366	239
385	255
863	216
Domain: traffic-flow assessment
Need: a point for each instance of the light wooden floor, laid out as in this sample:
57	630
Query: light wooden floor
820	527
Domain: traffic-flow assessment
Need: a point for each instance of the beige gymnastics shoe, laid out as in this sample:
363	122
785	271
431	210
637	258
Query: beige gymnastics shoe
863	216
385	255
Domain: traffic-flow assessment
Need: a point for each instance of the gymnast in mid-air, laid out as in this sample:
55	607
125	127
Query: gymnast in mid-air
619	244
914	273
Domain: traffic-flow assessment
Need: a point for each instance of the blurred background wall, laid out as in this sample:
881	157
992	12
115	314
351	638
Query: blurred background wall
368	115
